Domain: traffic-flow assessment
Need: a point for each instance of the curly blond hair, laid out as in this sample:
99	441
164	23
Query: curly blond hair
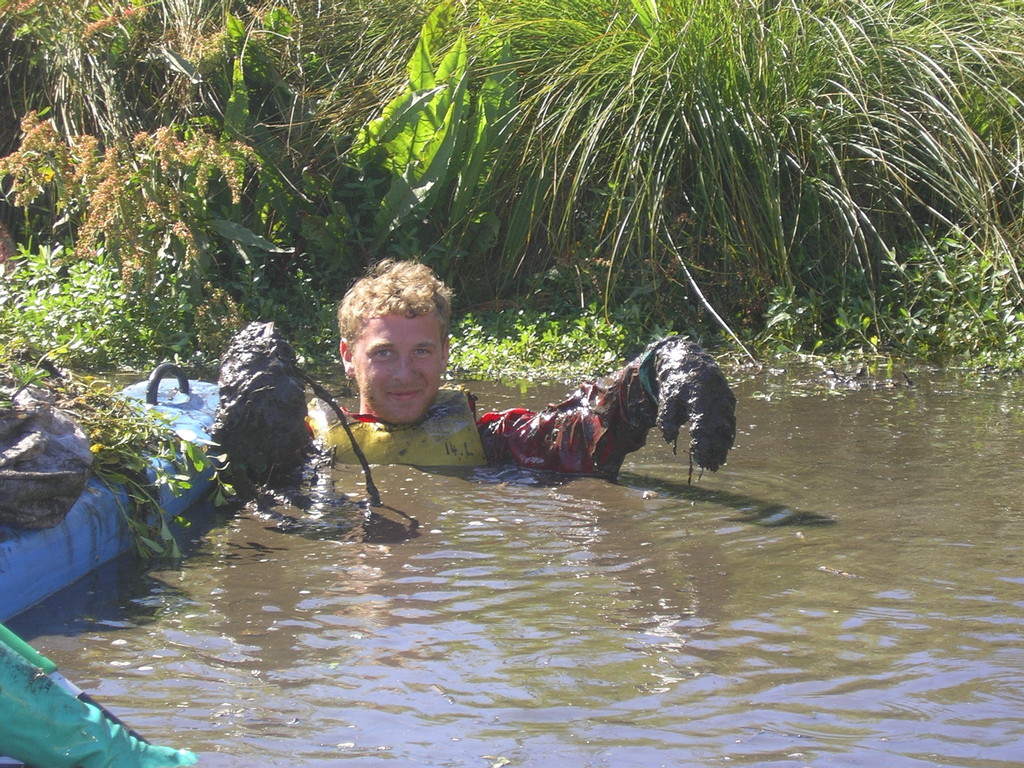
393	287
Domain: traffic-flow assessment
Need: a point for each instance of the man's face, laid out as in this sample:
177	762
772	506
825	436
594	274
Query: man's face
397	363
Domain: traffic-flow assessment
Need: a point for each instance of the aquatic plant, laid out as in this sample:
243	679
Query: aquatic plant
517	344
139	451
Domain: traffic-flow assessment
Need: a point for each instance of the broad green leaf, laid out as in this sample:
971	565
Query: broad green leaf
647	13
234	27
180	64
398	116
245	236
430	167
431	35
495	106
236	117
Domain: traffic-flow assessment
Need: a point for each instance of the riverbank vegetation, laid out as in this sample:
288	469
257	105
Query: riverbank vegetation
786	176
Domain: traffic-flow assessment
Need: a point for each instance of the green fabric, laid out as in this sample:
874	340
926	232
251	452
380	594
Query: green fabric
645	370
44	725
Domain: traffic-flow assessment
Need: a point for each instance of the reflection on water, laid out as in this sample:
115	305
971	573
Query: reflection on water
546	621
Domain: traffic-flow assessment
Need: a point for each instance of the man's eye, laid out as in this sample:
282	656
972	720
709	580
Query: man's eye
422	352
382	354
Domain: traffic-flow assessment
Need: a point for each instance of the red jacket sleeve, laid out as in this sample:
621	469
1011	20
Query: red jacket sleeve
590	432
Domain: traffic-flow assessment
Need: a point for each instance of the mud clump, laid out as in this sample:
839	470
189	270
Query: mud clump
693	391
261	418
45	461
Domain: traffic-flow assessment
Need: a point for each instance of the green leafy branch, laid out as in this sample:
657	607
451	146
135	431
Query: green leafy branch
139	451
133	449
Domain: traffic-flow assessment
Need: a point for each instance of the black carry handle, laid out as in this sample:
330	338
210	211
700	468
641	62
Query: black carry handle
165	369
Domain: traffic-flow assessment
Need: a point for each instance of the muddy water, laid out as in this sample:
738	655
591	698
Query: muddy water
539	621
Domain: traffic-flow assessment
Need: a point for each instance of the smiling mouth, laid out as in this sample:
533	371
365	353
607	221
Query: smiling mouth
404	395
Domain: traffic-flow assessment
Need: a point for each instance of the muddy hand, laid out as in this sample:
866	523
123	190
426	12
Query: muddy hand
692	390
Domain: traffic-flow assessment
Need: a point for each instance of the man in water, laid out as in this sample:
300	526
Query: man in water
394	326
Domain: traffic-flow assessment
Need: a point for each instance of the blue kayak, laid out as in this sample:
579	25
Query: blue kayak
36	563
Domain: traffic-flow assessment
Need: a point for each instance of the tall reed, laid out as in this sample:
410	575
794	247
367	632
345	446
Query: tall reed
769	146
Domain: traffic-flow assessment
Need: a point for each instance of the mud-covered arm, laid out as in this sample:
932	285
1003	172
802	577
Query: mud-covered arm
590	432
691	390
674	382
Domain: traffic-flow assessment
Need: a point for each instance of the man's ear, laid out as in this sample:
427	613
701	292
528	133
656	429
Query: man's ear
346	358
446	347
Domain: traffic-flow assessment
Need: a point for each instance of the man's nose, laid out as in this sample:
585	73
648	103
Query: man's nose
405	366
